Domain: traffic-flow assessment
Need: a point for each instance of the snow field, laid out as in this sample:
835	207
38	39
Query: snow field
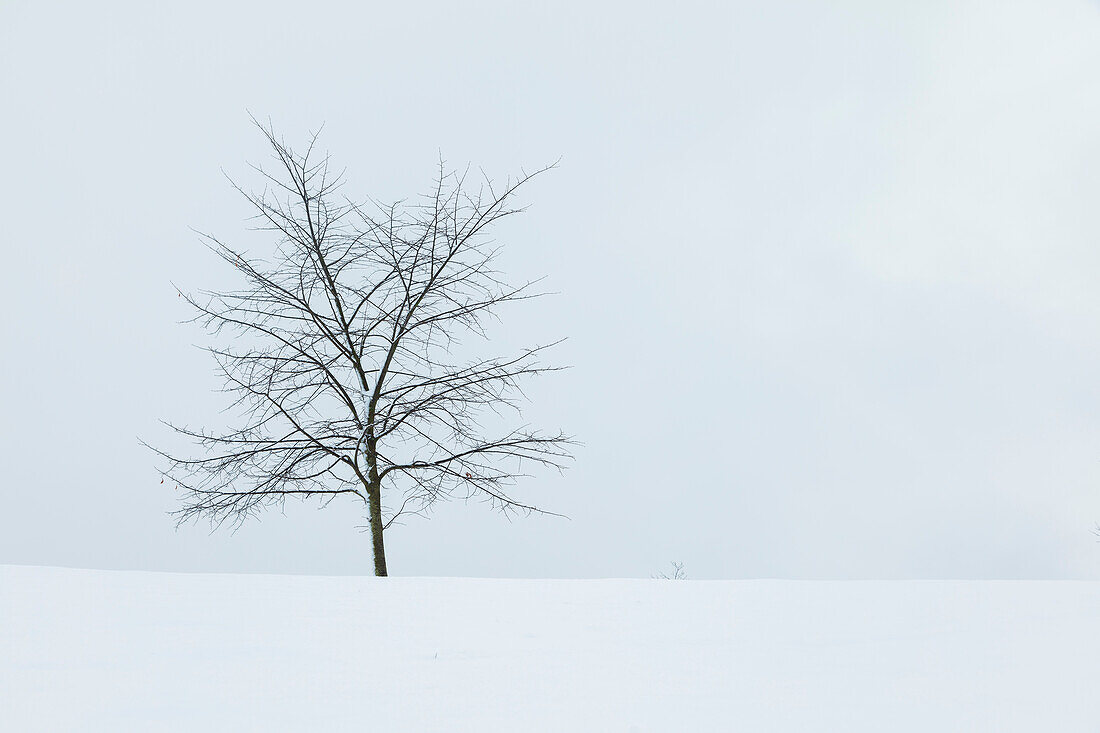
88	650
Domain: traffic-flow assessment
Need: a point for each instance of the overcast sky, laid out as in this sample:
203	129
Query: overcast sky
828	273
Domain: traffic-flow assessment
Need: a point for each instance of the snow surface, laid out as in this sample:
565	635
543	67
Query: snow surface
115	651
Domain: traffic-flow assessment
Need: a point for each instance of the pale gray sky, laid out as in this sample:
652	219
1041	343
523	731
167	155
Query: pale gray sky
828	272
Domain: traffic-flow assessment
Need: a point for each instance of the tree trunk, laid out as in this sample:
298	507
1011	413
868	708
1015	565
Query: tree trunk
374	496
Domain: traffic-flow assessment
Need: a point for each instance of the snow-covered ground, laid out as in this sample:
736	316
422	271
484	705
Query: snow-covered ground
92	650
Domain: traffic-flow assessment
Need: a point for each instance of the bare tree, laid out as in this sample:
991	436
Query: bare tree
342	353
677	573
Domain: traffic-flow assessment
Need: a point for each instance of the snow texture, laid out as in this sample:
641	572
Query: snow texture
113	651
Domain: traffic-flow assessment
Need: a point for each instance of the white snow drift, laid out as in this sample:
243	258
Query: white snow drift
115	651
